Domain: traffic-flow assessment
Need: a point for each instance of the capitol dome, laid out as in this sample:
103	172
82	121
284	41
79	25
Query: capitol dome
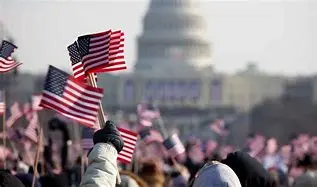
174	38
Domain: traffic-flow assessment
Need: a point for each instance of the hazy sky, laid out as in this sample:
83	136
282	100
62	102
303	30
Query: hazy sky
280	36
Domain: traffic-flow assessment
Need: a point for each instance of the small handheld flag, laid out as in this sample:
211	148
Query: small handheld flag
129	139
146	115
6	61
87	138
174	145
149	135
102	52
71	98
76	64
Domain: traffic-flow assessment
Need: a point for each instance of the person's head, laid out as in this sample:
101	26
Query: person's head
250	172
8	180
215	174
152	173
26	179
271	146
307	162
129	179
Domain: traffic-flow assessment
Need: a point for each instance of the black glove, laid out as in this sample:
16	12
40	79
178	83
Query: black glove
109	134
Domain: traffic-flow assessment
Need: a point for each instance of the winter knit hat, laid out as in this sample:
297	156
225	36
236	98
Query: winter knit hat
216	174
8	180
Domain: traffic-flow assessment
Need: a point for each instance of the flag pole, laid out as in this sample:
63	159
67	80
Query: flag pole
36	161
4	127
82	165
101	114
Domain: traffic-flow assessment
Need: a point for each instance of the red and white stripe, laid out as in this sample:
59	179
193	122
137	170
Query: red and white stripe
27	111
146	116
176	146
7	64
79	102
31	131
36	100
105	52
154	136
79	73
16	113
2	107
129	139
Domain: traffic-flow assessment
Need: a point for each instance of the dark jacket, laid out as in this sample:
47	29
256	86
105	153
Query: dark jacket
250	172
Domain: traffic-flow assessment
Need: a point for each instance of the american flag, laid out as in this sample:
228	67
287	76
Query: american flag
129	139
2	102
174	146
16	113
36	100
71	98
76	64
146	115
27	111
149	135
31	131
87	138
6	61
14	134
102	52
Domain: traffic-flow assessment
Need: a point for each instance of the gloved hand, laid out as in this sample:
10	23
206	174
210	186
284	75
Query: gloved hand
109	134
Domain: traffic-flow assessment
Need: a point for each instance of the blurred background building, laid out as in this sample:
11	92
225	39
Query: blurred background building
174	69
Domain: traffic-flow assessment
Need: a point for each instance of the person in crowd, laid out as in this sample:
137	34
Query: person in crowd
129	179
309	177
102	168
215	174
251	173
26	179
152	173
279	177
8	180
194	157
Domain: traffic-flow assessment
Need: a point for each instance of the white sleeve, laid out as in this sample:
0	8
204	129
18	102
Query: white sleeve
102	167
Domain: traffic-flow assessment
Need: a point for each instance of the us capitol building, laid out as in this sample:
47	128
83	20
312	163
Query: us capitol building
174	66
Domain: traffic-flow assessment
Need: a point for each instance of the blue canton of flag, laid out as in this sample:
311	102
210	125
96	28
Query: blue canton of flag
56	81
76	64
83	43
74	53
87	138
6	49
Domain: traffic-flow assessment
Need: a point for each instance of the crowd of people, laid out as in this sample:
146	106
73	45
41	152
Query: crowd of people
261	163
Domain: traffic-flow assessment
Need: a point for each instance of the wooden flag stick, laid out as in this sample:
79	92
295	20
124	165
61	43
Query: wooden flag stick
36	161
101	114
82	166
4	128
